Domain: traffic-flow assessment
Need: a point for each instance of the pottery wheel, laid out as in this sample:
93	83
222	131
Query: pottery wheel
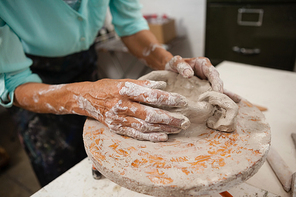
194	162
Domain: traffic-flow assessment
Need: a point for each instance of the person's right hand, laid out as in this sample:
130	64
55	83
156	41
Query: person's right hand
117	104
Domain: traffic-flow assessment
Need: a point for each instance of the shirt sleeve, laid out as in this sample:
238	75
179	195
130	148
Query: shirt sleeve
14	65
127	17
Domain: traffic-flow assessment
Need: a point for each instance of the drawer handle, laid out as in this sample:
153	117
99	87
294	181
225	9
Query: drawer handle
243	11
246	51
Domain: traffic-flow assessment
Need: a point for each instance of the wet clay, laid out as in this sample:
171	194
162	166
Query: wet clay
194	162
205	106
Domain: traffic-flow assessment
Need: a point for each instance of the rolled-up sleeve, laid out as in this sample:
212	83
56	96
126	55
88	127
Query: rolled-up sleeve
14	65
127	17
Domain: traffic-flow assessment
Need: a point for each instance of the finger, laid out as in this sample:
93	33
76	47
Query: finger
213	76
196	64
148	114
155	84
148	82
177	64
204	68
154	115
142	126
154	137
235	97
151	96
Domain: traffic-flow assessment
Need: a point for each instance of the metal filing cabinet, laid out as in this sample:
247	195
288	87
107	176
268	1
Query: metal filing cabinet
261	33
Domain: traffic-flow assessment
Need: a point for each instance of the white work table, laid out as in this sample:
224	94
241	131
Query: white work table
274	89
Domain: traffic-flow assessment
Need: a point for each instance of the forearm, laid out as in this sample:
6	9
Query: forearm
43	98
145	46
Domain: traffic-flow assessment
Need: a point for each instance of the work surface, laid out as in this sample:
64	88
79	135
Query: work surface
273	89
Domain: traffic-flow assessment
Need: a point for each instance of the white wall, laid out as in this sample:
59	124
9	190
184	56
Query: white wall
189	16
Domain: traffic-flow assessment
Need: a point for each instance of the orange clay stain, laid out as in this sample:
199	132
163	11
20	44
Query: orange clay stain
98	131
228	151
158	177
150	157
255	152
155	161
114	146
160	180
92	145
255	119
125	137
212	152
185	171
86	132
138	163
99	157
190	145
118	151
179	159
200	161
155	172
248	103
131	148
202	158
217	163
221	162
90	127
214	142
114	156
175	143
97	141
160	164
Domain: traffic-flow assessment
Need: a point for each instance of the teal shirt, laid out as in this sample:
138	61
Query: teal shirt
52	28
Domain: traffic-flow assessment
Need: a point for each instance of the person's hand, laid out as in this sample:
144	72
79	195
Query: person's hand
202	68
118	105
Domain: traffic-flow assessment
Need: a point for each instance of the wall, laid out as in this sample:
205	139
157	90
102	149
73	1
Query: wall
189	16
190	22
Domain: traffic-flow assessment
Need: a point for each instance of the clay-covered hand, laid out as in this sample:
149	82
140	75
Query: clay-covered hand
202	68
119	104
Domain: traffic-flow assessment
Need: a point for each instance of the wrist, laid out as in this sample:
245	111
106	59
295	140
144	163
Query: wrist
86	98
162	57
40	98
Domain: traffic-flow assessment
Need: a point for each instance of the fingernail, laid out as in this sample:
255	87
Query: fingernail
163	137
159	137
188	73
178	101
184	121
185	124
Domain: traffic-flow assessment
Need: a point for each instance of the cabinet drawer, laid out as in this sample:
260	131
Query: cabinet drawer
258	34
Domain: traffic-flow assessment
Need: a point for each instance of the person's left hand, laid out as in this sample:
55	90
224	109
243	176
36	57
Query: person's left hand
203	69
